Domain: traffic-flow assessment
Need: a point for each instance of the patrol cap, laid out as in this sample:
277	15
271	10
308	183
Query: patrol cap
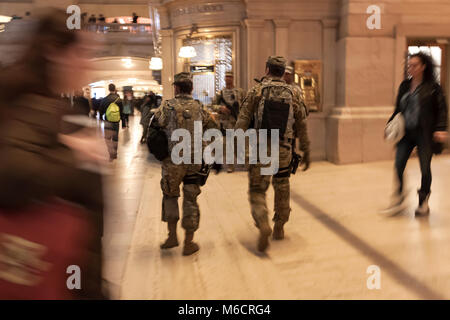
289	70
229	74
277	61
182	77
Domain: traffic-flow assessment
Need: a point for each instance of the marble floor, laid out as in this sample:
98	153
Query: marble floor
334	235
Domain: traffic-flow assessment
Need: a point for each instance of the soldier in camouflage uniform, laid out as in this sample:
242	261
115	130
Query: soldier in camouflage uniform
227	96
181	113
303	130
272	87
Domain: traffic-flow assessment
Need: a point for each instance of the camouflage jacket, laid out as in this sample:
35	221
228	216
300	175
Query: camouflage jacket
251	103
229	96
299	93
180	113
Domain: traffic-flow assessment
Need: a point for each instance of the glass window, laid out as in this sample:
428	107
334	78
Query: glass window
217	54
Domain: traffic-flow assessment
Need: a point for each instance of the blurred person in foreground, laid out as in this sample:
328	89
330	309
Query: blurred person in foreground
51	197
423	107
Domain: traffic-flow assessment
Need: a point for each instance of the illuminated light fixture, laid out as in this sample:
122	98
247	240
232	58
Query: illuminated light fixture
5	19
132	80
127	63
187	52
156	63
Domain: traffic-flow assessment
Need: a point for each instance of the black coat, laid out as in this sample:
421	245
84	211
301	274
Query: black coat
433	115
81	105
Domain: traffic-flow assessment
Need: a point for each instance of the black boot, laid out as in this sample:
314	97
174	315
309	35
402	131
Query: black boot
278	231
190	247
264	233
423	209
172	240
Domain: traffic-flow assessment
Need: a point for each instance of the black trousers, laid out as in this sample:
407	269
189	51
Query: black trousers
125	120
424	148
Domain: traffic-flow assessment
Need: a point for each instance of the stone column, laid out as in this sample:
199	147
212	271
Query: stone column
317	121
282	37
168	57
254	31
329	34
364	88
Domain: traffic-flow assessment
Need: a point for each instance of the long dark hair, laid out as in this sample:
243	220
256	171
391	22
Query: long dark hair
30	73
429	74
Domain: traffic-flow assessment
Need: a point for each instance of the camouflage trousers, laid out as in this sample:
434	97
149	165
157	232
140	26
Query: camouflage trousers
172	177
227	122
258	185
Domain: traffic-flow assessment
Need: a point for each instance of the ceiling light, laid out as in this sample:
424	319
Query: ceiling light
127	63
156	63
187	52
5	19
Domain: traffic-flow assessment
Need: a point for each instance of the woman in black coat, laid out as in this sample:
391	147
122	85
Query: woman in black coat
422	103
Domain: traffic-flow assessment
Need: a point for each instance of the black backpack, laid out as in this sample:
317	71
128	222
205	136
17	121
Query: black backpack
157	141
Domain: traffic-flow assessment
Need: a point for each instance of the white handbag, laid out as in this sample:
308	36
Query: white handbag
395	129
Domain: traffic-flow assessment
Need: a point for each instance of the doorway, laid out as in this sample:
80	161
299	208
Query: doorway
438	51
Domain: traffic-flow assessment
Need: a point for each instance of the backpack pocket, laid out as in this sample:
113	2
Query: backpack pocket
275	116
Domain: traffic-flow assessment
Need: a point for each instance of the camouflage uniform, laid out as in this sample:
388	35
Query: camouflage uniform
230	96
303	129
227	121
258	184
177	113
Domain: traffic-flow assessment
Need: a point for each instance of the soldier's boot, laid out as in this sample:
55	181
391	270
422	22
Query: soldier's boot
278	231
423	209
190	247
172	240
264	233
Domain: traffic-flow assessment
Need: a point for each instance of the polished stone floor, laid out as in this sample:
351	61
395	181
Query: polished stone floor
333	236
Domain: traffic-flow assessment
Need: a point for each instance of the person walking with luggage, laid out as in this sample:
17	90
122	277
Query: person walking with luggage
112	111
422	104
181	113
272	105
